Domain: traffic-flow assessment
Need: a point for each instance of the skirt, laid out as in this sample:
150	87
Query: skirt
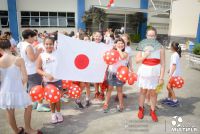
113	80
148	76
14	100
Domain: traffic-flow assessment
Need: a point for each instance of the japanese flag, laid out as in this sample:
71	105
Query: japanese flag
79	60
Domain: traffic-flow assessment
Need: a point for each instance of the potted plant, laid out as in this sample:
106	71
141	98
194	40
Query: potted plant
194	57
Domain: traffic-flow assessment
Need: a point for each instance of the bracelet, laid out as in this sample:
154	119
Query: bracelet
161	79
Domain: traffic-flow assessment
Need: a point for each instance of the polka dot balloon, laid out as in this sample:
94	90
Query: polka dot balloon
52	93
37	93
74	91
111	57
176	82
122	73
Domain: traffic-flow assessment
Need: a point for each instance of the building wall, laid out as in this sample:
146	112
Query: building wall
3	5
161	24
47	5
43	5
184	18
118	3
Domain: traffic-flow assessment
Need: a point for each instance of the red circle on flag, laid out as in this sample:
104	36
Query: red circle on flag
81	61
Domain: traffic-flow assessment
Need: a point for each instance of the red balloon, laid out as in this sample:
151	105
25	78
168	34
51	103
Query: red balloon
122	73
111	57
37	93
52	93
132	77
74	91
176	82
66	84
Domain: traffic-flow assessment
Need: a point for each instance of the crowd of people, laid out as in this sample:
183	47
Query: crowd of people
31	62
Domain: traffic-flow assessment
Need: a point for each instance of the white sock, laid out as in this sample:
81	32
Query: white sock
87	99
175	100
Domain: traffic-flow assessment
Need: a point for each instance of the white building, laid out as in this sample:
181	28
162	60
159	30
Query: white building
184	19
66	15
63	15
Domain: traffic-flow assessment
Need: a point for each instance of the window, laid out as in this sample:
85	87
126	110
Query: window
44	20
47	19
4	19
71	19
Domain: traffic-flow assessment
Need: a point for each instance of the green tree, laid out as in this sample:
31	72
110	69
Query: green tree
94	15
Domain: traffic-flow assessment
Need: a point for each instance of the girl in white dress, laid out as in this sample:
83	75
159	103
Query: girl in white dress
12	92
151	72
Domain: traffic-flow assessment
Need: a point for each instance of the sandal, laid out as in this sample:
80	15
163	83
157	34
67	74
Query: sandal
21	131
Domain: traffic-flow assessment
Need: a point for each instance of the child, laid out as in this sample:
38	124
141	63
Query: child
45	66
98	94
151	72
173	71
129	51
30	54
12	92
112	79
84	85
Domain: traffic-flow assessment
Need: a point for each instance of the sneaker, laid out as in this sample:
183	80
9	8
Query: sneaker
101	97
141	113
59	117
34	105
54	119
105	108
119	109
79	105
166	101
43	109
87	103
153	116
173	104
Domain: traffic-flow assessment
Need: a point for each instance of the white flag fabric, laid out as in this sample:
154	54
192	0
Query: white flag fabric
79	60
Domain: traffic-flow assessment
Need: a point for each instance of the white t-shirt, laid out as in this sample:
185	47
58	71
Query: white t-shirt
30	66
13	42
175	60
129	51
48	64
41	45
109	41
113	68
